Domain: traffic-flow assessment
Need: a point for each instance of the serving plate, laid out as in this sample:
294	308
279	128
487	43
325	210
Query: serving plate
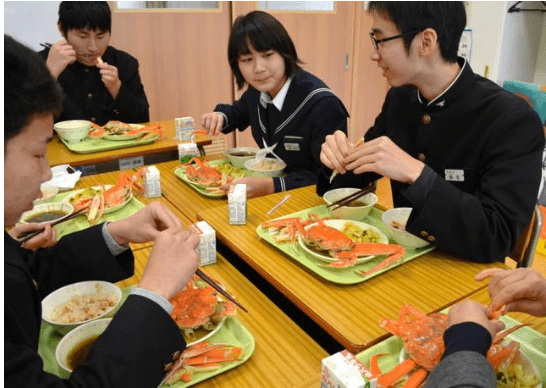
70	197
339	225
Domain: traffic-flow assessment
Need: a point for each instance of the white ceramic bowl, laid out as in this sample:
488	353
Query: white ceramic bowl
66	293
400	216
356	213
250	165
236	155
73	131
48	192
75	337
55	210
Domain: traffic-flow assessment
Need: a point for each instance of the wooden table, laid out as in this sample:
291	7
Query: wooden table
158	151
349	313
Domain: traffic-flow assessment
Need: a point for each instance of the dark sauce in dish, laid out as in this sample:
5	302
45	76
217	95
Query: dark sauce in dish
80	352
47	216
356	204
243	153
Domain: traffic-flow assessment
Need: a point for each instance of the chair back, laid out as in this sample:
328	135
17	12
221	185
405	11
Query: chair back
524	250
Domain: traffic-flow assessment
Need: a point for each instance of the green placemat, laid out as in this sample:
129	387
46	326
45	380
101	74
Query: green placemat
80	222
232	332
533	344
339	275
91	145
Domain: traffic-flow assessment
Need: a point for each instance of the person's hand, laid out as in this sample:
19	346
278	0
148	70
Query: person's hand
520	289
383	157
145	225
110	78
172	262
212	122
45	239
334	150
255	186
470	311
61	54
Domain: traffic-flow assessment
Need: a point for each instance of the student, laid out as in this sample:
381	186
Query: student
470	331
94	90
461	151
287	108
142	336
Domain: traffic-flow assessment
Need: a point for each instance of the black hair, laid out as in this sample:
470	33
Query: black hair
447	18
92	15
263	32
29	88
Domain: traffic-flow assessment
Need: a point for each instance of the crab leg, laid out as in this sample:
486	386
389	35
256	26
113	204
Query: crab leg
396	373
416	378
385	263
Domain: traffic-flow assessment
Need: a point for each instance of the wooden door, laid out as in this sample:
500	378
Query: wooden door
323	40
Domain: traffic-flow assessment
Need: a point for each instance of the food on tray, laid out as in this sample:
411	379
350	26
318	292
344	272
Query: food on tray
267	165
231	170
80	352
83	307
210	177
357	234
47	216
119	129
398	225
514	376
242	154
200	358
199	308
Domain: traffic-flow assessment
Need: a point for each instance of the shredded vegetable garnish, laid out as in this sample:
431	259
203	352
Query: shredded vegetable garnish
513	377
230	170
357	234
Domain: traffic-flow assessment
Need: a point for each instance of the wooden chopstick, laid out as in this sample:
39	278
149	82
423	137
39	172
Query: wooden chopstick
213	284
29	235
352	197
46	45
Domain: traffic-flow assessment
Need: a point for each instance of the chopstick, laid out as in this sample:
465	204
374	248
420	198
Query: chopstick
29	235
351	197
357	144
46	45
213	284
286	198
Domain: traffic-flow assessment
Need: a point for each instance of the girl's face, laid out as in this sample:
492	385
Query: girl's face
264	71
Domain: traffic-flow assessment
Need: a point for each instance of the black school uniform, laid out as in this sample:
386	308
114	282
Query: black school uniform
482	149
310	112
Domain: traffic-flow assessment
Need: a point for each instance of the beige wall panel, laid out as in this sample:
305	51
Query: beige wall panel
182	56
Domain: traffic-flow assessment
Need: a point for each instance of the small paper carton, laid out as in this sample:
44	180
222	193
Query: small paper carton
343	370
207	242
237	204
184	128
186	151
152	182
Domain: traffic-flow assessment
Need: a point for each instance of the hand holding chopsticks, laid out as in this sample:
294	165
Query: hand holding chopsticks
27	236
352	197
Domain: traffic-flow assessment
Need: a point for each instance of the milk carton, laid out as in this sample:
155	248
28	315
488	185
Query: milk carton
184	128
152	182
343	370
207	242
186	151
237	204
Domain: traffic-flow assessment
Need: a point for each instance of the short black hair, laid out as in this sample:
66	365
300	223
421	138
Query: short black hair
29	88
447	18
263	32
92	15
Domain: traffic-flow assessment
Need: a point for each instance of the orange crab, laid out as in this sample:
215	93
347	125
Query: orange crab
423	340
202	357
205	174
119	128
198	305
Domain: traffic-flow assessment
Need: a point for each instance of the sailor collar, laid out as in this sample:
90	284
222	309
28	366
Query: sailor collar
450	93
278	101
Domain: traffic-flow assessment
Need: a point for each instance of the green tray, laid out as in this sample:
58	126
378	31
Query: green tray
232	332
80	222
338	275
532	343
180	172
90	145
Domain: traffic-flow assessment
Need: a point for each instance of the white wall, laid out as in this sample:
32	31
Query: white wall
32	22
540	69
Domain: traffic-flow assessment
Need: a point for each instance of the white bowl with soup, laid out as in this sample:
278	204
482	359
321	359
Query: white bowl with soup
46	213
355	210
73	131
239	155
267	167
74	347
78	303
396	220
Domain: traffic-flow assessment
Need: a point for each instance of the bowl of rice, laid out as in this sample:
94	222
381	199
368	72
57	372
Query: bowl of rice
267	167
70	306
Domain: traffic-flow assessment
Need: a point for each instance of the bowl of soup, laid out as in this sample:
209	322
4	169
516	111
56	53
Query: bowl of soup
396	220
74	347
239	155
46	213
267	167
356	210
73	131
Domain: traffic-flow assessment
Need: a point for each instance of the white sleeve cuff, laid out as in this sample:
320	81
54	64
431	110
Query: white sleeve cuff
160	300
114	247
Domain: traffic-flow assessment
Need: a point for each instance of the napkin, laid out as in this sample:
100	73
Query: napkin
63	178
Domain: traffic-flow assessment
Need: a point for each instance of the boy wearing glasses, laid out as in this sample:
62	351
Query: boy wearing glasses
99	82
461	151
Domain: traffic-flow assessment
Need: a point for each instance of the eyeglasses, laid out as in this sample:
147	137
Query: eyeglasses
377	41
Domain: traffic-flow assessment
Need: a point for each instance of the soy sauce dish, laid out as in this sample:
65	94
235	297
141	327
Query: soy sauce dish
47	212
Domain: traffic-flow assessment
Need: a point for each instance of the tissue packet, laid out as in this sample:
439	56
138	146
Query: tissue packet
343	370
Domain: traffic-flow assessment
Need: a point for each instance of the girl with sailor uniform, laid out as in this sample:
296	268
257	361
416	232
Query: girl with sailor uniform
289	110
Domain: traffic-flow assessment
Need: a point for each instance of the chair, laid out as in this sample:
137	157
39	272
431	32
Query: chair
524	251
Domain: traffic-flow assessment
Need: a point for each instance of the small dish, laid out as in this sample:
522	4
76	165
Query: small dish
239	155
73	131
46	213
396	220
269	167
351	211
